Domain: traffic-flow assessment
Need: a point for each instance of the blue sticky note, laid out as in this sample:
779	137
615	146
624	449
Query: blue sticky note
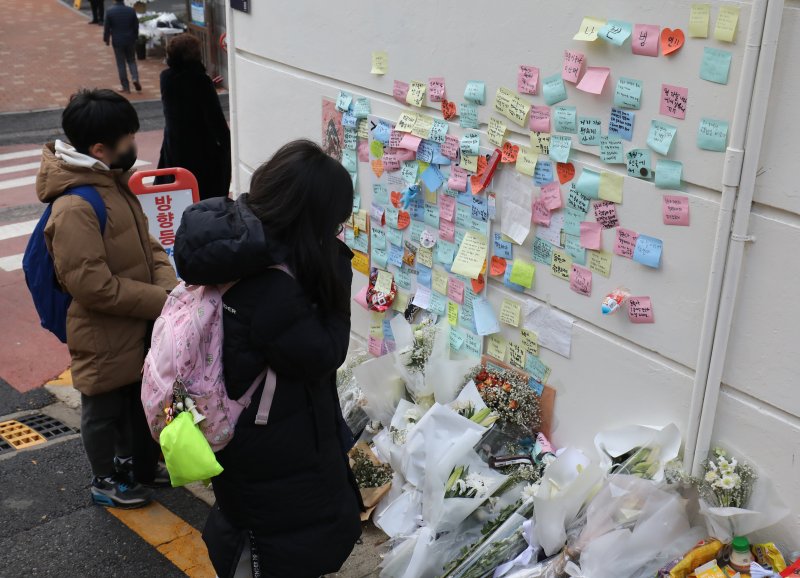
437	158
445	252
712	134
668	174
378	236
553	89
416	230
394	236
343	101
537	387
486	321
628	93
508	283
403	277
611	150
464	198
432	215
572	221
480	208
543	173
589	130
349	120
648	251
361	107
424	275
639	164
560	147
660	136
388	334
380	194
716	65
572	245
379	257
535	367
576	200
416	209
350	160
589	184
381	132
470	143
502	248
349	237
464	215
475	92
615	32
361	242
620	124
478	226
439	130
433	178
425	151
565	119
438	304
542	251
356	201
456	339
395	255
468	115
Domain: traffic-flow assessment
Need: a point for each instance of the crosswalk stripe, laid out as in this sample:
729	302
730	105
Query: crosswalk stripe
20	154
18	182
17	229
18	168
11	263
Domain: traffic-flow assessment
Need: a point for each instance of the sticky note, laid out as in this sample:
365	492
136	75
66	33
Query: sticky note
529	341
727	20
537	369
605	213
615	32
673	101
562	265
542	251
572	245
475	92
698	20
640	310
422	126
416	93
540	118
445	252
409	141
383	282
526	161
553	89
361	108
452	313
512	106
455	290
660	136
572	66
645	39
380	62
588	183
471	255
625	242
509	312
712	135
527	79
343	101
639	163
565	119
611	150
648	251
628	93
600	263
560	147
668	174
580	280
621	123
470	143
540	143
496	131
591	235
360	262
594	79
589	29
676	210
716	65
436	90
470	162
551	195
400	91
589	130
507	282
552	233
540	213
456	338
496	346
468	115
516	355
486	321
522	273
572	221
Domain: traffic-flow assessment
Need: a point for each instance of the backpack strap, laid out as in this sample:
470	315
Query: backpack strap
89	194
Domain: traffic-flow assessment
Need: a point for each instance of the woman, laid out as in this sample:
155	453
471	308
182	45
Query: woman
287	498
196	135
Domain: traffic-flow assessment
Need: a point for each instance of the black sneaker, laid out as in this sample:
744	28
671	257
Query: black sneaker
124	468
118	493
93	22
137	86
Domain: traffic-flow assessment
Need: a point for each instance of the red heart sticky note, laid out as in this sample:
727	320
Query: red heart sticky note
448	109
377	167
403	220
671	40
478	284
566	172
498	266
510	152
396	198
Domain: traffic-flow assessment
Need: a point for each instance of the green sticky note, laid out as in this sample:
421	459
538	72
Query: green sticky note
668	174
553	89
589	130
628	93
712	135
611	150
572	245
660	137
542	251
565	119
615	32
522	273
716	65
560	147
639	163
468	115
475	92
589	184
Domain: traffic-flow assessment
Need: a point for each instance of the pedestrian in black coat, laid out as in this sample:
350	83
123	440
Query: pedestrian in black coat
287	495
196	134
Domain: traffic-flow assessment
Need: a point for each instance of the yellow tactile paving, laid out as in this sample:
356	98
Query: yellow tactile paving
63	379
19	435
176	540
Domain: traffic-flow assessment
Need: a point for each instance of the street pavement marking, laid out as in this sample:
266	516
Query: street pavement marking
63	379
11	263
19	182
17	229
20	154
176	540
19	168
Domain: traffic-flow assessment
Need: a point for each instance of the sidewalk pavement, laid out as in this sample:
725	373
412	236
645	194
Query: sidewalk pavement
48	51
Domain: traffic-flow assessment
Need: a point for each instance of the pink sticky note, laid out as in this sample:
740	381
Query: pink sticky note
455	290
363	151
551	195
450	147
541	214
676	210
409	142
404	155
436	89
458	179
447	207
399	91
580	280
376	346
527	79
540	118
390	162
395	138
361	297
594	80
573	64
640	310
591	235
447	230
645	39
605	213
626	242
673	101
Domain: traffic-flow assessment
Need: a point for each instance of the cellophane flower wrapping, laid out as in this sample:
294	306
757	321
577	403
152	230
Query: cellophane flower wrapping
351	396
391	440
382	386
657	447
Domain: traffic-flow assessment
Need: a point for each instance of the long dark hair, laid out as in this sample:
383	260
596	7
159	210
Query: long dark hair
302	196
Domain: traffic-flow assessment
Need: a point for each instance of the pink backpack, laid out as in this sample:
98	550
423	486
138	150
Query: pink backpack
186	353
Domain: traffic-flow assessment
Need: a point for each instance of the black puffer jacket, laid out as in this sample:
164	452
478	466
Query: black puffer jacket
287	482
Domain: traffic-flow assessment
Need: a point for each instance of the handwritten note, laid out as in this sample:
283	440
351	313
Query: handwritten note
475	92
668	174
542	251
621	123
486	321
615	32
639	163
540	118
540	213
497	346
673	101
727	20
580	280
573	65
468	115
562	265
496	131
625	243
589	29
591	235
565	119
660	136
526	161
455	290
645	39
512	106
600	263
676	210
640	310
416	93
436	89
605	213
698	20
540	143
648	251
611	151
380	62
577	201
716	65
560	147
553	89
628	93
470	143
594	79
589	130
522	273
551	195
400	91
452	313
509	312
527	79
471	255
712	135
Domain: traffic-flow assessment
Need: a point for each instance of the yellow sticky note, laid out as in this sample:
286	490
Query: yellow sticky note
516	355
469	163
589	29
496	347
439	281
360	220
727	20
600	262
360	262
509	312
423	125
611	186
431	197
561	265
512	106
376	325
497	131
540	143
383	284
522	273
425	256
526	161
380	62
406	121
471	255
452	313
363	128
698	20
416	93
401	301
530	341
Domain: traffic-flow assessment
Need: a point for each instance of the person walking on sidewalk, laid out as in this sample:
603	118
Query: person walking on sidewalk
98	11
122	28
119	281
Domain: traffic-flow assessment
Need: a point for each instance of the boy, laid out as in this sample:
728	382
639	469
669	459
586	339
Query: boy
119	281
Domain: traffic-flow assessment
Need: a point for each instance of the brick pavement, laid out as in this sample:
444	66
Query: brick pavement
47	51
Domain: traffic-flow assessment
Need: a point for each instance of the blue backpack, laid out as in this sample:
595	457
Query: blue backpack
50	299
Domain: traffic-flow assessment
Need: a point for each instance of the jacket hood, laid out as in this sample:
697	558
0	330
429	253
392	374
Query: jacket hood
220	241
64	167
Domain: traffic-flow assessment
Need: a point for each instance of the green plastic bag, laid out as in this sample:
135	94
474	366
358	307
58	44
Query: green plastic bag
186	451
